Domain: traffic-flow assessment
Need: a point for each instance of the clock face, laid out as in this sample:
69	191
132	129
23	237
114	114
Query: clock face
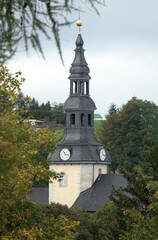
102	154
65	154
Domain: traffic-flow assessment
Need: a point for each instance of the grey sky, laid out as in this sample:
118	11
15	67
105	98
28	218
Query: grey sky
121	50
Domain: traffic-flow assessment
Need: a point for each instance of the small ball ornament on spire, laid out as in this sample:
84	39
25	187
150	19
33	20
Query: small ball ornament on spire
79	23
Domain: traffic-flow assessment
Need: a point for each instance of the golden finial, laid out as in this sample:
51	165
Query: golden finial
79	23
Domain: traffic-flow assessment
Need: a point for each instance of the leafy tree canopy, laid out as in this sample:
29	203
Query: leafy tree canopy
44	111
140	212
133	212
123	131
25	21
58	112
21	163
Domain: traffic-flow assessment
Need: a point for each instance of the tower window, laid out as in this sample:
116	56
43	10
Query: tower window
82	119
89	120
75	90
63	181
99	171
81	83
87	88
72	119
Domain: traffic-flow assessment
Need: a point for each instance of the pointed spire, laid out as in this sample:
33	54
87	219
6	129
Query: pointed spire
79	69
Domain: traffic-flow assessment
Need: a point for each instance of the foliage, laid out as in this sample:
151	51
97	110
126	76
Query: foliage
22	162
60	133
149	118
26	21
76	214
9	86
135	208
44	111
58	113
23	103
123	131
30	223
107	222
98	128
139	210
34	105
112	109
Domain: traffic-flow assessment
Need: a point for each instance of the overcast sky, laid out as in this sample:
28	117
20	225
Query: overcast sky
121	50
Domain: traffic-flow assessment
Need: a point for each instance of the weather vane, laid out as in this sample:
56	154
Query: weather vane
79	22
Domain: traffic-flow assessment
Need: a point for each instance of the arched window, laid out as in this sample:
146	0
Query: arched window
82	119
89	120
72	119
63	181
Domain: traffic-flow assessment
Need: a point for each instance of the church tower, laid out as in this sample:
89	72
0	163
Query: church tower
79	157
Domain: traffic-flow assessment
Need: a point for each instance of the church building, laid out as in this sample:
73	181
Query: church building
79	157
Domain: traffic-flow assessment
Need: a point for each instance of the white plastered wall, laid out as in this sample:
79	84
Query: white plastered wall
65	194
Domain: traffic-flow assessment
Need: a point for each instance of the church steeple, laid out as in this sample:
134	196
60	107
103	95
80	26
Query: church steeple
79	156
79	144
79	71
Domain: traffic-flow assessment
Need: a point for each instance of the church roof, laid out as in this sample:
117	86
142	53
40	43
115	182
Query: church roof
84	103
39	194
94	197
81	153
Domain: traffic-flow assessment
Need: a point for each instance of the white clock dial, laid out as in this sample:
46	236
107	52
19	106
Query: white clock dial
102	154
65	154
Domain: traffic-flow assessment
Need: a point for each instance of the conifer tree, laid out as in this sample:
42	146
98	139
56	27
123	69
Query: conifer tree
137	202
133	212
123	131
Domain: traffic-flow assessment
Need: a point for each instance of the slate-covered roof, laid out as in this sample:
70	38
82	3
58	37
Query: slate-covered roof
79	69
93	198
39	194
81	103
80	153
